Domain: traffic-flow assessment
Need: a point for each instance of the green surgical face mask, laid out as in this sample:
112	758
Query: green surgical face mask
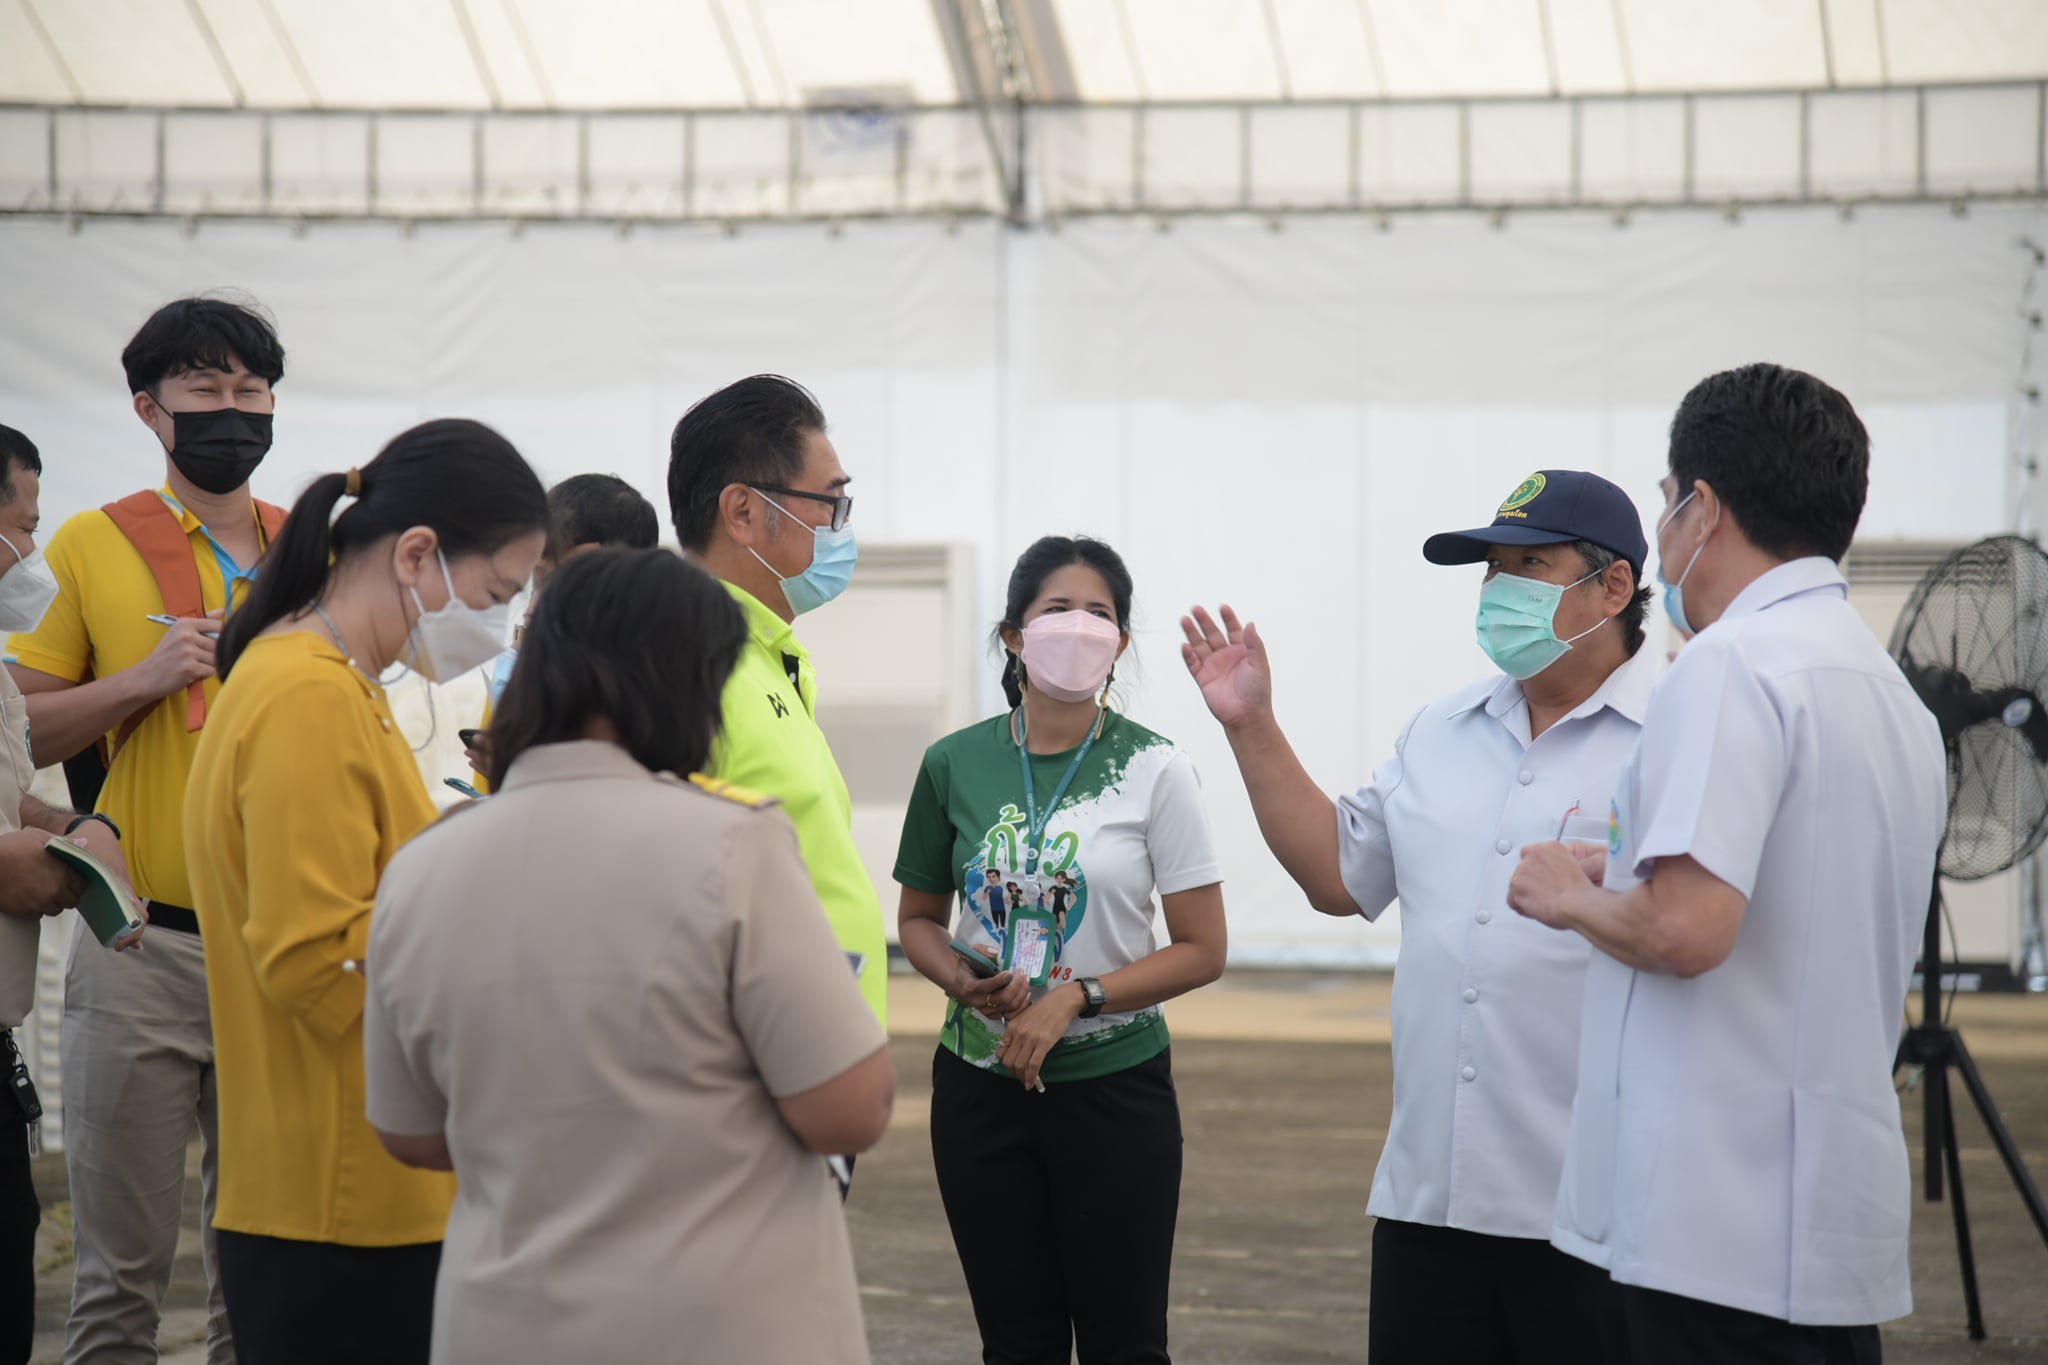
1516	628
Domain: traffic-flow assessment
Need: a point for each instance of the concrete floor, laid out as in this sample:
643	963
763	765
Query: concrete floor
1284	1083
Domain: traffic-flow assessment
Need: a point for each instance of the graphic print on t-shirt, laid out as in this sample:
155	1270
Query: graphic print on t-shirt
1008	876
1129	831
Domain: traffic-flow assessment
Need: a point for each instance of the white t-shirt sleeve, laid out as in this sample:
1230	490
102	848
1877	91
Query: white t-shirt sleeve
1183	854
1365	854
1711	768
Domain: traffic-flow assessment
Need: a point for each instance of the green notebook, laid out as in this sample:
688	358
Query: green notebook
108	905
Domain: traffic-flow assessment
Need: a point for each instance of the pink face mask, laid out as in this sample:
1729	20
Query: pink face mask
1068	654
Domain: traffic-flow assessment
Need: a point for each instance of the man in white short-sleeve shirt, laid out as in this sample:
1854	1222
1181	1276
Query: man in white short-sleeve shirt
1736	1158
1486	1005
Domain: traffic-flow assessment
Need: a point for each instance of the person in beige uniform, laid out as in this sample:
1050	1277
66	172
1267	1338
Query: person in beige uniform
608	998
32	885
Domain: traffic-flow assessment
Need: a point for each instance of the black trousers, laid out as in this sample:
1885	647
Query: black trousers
1444	1294
19	1216
1062	1207
321	1303
1670	1329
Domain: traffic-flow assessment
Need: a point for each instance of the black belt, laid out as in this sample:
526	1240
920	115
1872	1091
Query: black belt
164	915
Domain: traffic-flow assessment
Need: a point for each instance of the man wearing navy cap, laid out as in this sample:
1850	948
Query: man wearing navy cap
1486	1004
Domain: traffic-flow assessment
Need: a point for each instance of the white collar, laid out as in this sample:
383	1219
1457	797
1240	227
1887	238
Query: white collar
1794	577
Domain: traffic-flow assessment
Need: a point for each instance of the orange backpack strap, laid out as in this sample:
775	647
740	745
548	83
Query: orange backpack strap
271	517
158	536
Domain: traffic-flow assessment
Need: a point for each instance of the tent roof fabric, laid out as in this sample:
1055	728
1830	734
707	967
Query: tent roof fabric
685	54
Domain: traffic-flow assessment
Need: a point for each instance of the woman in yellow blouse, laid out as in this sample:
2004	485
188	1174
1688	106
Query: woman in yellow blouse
302	790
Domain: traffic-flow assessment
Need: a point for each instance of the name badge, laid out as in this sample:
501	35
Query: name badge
1029	947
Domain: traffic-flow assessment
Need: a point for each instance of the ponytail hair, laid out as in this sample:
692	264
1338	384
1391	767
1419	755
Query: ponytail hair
459	478
1047	556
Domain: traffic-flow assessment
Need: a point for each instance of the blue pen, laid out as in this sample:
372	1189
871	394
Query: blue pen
471	792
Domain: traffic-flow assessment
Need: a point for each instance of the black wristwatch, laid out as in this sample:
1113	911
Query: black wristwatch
1093	994
72	828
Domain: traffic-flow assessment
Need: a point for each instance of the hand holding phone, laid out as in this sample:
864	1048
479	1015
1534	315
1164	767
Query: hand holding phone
981	964
476	747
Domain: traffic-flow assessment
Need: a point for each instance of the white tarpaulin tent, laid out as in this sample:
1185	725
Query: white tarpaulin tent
616	54
744	109
1267	295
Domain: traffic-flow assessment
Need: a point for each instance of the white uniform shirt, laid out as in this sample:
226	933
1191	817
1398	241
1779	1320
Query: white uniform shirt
1486	1004
1736	1137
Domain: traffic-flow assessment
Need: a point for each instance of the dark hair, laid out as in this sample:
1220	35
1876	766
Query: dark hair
1598	559
599	509
16	450
1785	452
749	432
201	334
588	653
457	477
1047	556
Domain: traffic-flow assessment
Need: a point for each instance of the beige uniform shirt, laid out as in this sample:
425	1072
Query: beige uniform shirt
595	984
18	936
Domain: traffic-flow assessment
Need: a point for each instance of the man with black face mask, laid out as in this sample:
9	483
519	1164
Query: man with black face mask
103	668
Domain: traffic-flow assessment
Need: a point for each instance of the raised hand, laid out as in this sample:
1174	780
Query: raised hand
1229	664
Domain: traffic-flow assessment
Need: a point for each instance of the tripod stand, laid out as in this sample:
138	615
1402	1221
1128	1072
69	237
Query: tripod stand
1934	1046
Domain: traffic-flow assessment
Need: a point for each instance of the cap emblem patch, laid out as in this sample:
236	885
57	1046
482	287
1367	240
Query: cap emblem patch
1525	493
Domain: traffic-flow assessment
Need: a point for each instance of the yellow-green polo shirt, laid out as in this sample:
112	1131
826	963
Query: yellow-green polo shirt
771	744
97	625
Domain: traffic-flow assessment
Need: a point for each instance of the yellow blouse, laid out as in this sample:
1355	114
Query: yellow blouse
302	790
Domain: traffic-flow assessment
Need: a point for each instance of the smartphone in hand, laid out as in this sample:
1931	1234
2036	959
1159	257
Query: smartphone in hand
981	964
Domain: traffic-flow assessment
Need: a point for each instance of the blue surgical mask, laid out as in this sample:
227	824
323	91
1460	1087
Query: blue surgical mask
1517	623
1674	592
831	568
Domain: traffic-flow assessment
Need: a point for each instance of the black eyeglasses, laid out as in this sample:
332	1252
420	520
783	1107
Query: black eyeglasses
842	505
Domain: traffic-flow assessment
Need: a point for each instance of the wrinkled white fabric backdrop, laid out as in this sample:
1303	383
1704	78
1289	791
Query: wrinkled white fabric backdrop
1272	418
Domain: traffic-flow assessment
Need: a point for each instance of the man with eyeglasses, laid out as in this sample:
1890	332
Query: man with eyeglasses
758	498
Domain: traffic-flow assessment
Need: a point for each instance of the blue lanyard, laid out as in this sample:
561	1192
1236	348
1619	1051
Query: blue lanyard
231	573
1034	823
501	674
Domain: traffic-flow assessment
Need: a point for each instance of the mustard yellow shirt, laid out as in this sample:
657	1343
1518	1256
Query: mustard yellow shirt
302	791
95	628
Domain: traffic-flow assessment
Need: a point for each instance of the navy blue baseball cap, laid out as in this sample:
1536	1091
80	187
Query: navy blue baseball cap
1549	506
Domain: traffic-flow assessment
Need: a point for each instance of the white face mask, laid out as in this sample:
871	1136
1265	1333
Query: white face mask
452	640
26	591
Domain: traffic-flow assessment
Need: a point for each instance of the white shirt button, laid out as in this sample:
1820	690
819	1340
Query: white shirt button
1485	916
1501	846
1470	1074
1525	777
1470	995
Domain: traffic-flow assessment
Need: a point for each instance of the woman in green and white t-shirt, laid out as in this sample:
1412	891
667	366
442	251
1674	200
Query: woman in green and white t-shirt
1055	1131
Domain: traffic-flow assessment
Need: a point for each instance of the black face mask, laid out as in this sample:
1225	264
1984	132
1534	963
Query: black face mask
219	449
